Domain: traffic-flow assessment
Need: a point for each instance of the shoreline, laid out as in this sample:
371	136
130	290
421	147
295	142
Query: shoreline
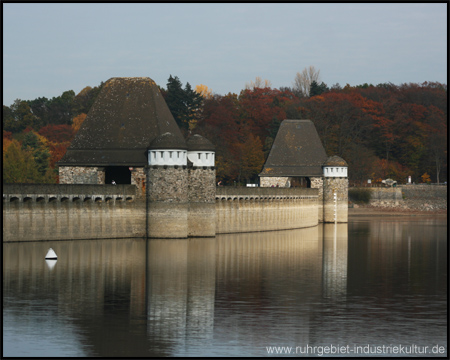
392	211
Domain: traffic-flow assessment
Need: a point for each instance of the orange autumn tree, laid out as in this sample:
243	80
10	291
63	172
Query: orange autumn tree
204	91
77	121
57	151
7	140
426	178
58	139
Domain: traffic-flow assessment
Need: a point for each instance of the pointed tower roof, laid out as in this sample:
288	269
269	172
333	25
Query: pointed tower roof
296	151
127	116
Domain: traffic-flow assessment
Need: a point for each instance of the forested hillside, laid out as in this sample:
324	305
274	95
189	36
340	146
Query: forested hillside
382	131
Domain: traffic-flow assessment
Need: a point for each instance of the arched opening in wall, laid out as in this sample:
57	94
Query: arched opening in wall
301	181
120	174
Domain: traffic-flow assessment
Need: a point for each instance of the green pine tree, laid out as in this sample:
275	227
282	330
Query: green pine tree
317	89
184	104
175	99
40	153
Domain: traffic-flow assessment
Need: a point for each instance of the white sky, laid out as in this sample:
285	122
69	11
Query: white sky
51	48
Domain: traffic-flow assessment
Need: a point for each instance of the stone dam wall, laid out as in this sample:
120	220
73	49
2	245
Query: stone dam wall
70	212
409	197
265	209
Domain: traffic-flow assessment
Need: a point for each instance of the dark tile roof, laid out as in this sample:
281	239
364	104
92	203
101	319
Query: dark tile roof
335	161
127	115
199	143
166	141
296	151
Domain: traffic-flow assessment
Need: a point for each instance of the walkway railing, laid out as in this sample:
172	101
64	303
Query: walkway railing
67	192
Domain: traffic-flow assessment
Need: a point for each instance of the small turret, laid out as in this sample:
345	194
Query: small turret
167	150
167	187
335	166
202	187
335	190
201	152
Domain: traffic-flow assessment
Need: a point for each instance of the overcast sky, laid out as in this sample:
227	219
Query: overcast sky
51	48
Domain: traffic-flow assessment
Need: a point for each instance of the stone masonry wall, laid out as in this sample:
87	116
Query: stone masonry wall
410	197
340	187
167	201
424	197
81	211
138	179
167	184
427	192
81	175
38	212
317	183
241	209
201	185
386	194
269	181
202	197
101	175
73	220
404	192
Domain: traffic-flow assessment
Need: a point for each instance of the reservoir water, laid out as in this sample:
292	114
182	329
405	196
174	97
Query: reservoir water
373	287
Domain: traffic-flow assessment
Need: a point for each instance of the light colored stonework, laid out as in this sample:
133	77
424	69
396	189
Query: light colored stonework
202	188
167	184
274	181
101	174
81	175
138	179
202	202
317	183
338	186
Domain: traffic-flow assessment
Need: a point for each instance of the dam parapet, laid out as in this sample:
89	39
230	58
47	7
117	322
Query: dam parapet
41	212
66	192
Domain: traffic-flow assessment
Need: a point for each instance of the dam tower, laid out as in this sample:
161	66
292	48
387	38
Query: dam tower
129	136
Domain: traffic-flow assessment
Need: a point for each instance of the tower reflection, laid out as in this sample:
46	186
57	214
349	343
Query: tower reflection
335	260
180	287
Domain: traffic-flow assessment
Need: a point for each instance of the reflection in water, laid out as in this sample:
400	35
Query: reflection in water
180	289
96	289
372	281
335	258
50	263
267	284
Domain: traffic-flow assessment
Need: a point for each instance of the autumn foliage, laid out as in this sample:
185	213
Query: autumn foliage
383	131
57	133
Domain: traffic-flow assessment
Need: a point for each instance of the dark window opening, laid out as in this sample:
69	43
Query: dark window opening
300	181
120	174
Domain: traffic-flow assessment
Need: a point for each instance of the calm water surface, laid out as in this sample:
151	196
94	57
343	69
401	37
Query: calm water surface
377	283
